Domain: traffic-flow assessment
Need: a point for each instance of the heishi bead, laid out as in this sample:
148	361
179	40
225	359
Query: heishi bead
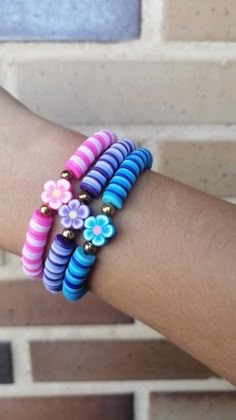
73	296
56	263
31	252
33	248
51	276
88	152
73	287
35	274
39	223
35	240
77	280
125	177
33	265
104	169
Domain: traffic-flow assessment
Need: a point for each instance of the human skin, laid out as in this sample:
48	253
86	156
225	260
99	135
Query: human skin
173	263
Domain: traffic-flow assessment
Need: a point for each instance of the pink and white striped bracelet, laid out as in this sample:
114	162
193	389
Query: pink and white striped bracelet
56	194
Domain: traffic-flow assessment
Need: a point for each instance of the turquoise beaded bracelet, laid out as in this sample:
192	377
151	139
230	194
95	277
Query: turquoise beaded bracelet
99	229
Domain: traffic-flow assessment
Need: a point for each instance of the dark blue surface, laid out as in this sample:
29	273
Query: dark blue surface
69	20
6	373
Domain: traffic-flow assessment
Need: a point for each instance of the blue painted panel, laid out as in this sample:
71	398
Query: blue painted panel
69	20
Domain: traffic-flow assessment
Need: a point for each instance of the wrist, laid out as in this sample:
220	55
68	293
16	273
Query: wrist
32	150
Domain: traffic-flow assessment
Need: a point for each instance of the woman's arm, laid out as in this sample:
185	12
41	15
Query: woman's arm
173	263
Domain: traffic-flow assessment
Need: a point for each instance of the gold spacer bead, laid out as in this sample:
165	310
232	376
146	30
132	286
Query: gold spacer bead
84	197
45	211
89	248
69	234
108	209
66	175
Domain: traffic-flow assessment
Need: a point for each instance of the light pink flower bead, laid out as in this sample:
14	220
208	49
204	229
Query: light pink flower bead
57	193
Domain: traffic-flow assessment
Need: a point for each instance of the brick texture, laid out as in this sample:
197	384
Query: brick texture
209	166
28	303
72	21
152	92
117	407
202	20
211	406
113	360
160	92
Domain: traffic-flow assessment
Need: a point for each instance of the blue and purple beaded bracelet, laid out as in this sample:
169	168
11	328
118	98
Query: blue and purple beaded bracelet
99	229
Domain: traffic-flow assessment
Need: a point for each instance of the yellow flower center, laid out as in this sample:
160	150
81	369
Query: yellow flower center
56	193
73	214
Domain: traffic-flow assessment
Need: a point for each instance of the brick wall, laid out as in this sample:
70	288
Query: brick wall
172	89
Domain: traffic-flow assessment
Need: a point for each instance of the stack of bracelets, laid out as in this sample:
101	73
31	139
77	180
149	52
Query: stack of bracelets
66	268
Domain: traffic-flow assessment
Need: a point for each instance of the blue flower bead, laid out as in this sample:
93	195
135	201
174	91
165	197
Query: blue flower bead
98	229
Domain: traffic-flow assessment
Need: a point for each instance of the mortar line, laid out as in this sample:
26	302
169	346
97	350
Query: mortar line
114	387
136	50
21	361
141	404
152	16
80	332
8	79
155	133
2	258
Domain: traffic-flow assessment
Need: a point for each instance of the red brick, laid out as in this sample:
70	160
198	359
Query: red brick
200	406
73	408
28	303
113	360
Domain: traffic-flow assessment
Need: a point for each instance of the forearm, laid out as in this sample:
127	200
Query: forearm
32	151
172	264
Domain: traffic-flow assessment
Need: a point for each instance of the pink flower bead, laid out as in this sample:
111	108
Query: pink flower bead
56	193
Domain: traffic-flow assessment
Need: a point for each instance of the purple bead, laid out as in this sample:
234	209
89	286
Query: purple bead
104	169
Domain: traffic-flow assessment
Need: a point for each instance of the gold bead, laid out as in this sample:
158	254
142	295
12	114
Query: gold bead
108	209
69	234
66	175
89	248
84	197
45	210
